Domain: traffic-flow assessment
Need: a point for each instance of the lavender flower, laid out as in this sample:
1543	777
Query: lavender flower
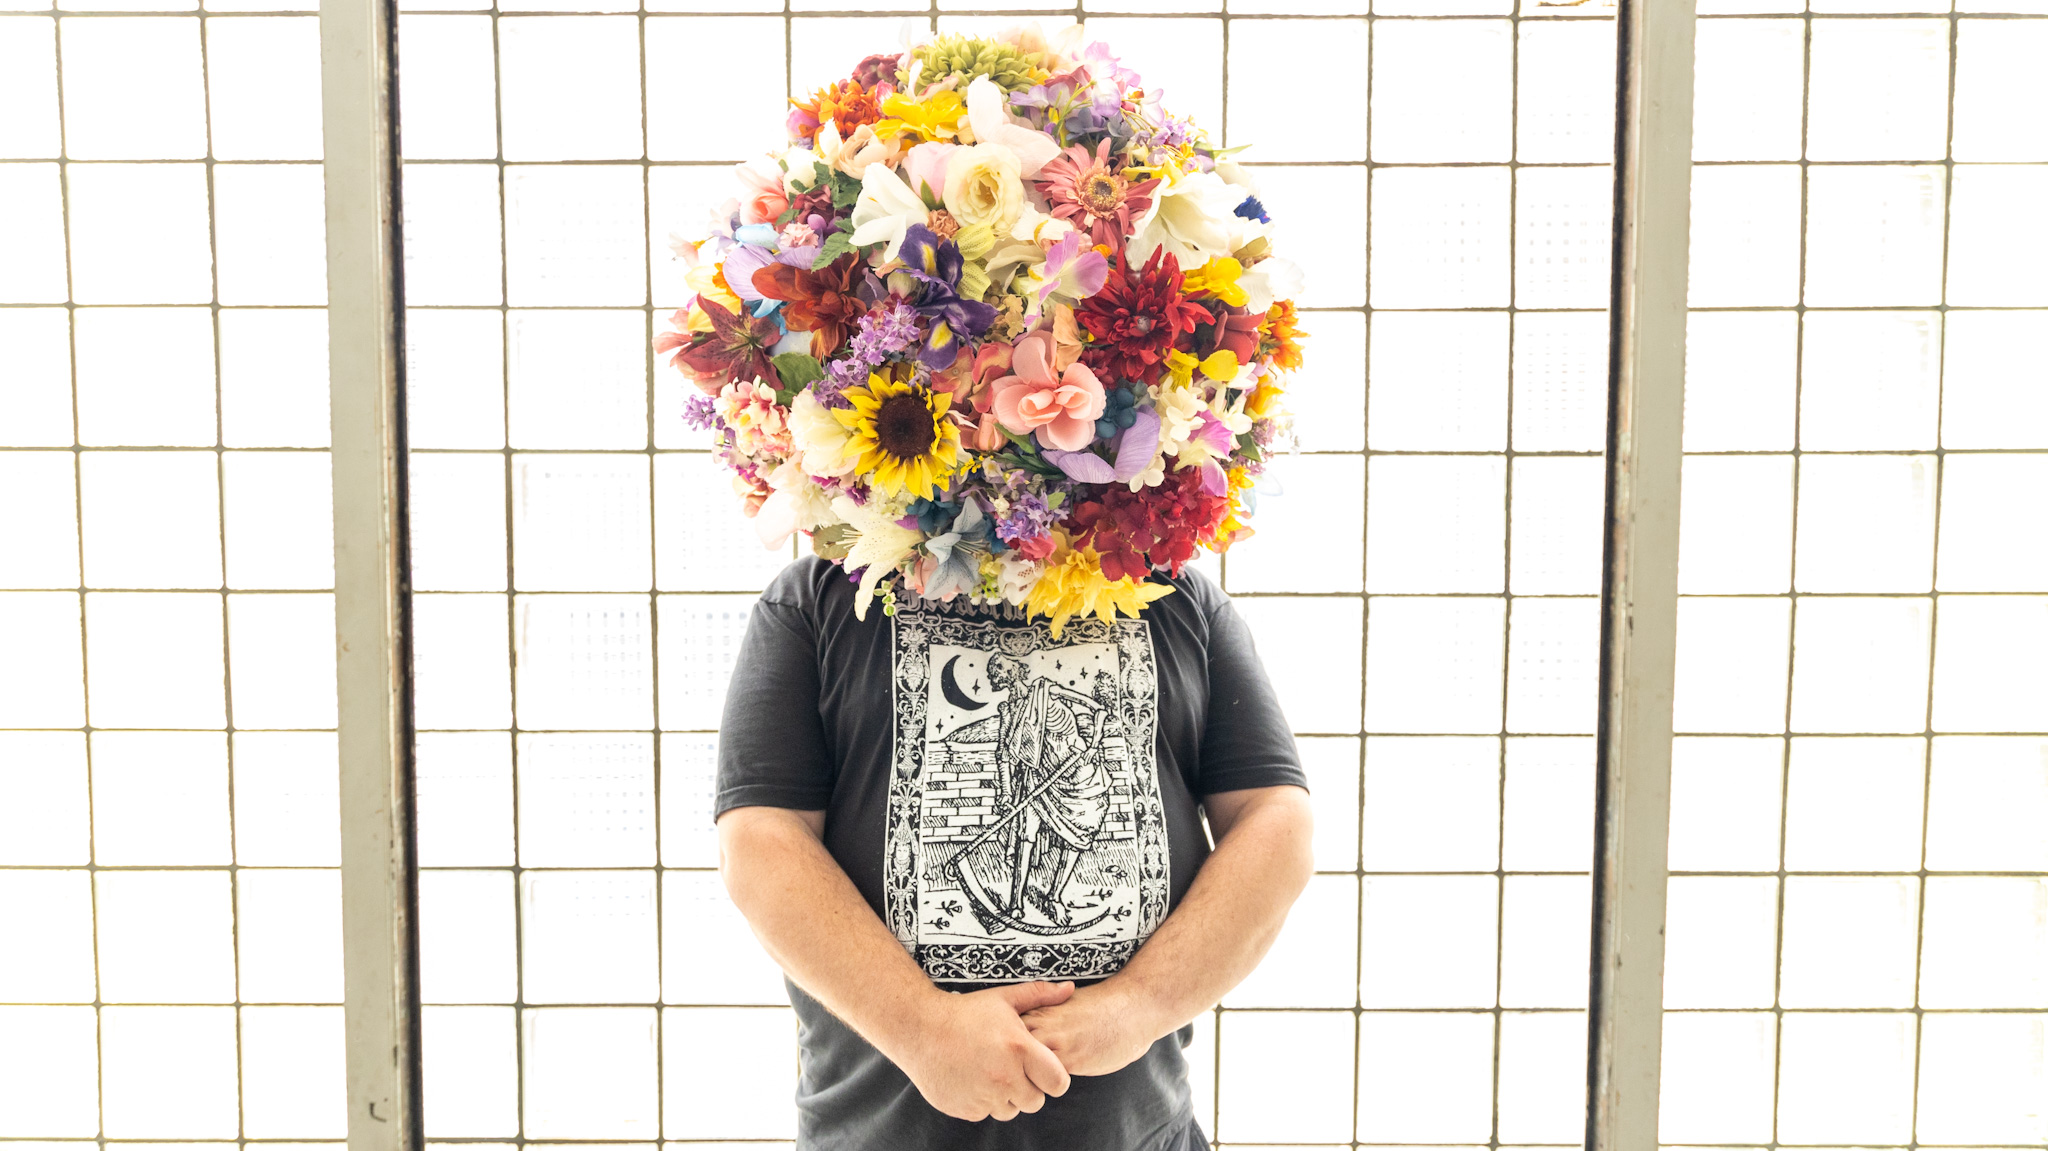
1028	506
700	411
887	330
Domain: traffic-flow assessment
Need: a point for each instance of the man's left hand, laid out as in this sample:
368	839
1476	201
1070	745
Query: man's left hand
1099	1030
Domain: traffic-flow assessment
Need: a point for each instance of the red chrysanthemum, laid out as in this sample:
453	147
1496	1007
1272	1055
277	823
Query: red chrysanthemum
1155	527
1134	320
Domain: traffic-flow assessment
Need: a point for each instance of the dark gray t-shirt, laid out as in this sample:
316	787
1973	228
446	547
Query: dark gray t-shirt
1013	806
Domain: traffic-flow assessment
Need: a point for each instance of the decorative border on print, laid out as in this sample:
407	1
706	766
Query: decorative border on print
913	632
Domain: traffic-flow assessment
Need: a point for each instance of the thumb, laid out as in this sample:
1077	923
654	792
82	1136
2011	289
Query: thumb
1024	997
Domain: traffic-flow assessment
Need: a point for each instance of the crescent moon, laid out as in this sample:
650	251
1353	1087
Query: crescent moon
951	688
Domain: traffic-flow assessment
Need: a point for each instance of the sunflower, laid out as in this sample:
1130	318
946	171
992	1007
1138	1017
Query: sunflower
902	435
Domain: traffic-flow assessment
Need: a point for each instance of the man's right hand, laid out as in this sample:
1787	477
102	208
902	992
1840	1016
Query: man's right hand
972	1057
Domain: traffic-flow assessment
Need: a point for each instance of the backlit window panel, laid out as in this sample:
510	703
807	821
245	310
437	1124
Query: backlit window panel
169	842
1857	915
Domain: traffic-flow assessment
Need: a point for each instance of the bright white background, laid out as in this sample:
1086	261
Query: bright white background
1859	927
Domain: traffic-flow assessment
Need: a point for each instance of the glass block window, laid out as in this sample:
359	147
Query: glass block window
1859	904
584	582
168	826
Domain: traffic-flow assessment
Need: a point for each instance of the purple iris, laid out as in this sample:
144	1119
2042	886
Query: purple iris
937	265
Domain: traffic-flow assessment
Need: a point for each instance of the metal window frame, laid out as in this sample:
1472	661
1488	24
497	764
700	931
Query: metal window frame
1638	598
1639	577
372	574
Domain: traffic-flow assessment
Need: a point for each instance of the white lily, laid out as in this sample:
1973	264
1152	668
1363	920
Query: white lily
986	114
880	548
886	210
1194	218
1271	279
797	504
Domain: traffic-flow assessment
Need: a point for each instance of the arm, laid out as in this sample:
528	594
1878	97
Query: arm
1220	931
970	1055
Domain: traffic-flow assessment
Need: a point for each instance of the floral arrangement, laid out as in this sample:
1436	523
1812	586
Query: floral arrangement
995	324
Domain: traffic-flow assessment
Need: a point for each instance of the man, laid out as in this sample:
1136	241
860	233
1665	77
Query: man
977	851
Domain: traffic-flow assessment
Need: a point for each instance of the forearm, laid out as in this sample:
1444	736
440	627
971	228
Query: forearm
815	925
1225	923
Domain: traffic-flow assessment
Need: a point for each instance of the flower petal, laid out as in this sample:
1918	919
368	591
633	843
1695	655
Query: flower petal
1139	444
992	125
1087	467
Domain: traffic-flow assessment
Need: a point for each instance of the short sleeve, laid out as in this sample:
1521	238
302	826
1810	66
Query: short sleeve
1246	741
771	741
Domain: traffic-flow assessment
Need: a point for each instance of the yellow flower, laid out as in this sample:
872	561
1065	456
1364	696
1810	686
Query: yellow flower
1181	367
933	116
1217	278
900	434
1233	528
1073	585
1266	400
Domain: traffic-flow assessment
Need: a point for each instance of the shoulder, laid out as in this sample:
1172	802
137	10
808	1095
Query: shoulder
804	585
1195	594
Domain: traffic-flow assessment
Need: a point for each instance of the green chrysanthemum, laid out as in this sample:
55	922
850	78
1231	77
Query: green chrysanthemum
970	58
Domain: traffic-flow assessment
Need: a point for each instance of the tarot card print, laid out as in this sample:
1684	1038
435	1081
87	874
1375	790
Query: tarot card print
1027	813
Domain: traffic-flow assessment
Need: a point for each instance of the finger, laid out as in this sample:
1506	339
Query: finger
1004	1112
1030	996
1045	1070
1030	1103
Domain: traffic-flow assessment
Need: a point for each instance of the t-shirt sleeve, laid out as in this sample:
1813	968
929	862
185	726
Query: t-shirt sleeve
771	740
1246	741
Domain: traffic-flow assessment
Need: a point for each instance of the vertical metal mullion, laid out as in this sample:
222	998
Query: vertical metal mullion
372	576
1639	578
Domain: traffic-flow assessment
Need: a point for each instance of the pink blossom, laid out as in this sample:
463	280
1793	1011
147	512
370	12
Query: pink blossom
1061	408
764	198
925	167
797	235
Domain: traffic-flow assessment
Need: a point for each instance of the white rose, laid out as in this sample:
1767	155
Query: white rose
800	170
820	437
982	187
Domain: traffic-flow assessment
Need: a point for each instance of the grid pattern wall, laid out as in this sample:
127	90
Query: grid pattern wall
1858	913
584	578
168	830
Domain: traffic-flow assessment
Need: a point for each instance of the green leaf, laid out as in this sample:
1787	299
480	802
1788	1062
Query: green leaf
797	371
833	541
845	190
836	245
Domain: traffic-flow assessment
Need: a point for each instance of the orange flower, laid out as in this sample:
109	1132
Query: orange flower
847	104
1280	337
824	303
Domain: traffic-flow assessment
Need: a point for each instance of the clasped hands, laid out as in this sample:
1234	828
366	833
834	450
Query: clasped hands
998	1053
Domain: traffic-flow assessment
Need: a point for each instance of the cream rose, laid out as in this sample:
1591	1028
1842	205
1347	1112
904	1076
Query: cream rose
820	438
982	187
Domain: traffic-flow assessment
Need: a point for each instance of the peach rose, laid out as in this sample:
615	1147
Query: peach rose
764	198
1061	408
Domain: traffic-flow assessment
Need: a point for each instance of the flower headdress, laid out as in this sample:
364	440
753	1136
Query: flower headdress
993	325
